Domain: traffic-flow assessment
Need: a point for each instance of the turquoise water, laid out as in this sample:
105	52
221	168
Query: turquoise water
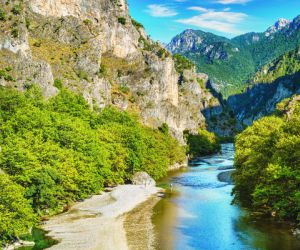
200	216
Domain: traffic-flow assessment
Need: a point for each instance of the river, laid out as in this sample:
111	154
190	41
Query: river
199	215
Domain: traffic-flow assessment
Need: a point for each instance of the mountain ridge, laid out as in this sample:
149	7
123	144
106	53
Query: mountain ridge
220	57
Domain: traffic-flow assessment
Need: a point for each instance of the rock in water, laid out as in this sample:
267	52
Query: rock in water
142	178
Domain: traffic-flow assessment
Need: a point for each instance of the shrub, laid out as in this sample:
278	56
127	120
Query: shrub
182	63
17	9
202	143
122	20
58	83
15	33
2	15
136	24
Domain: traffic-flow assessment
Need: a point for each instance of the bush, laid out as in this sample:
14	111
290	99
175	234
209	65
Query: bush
17	9
15	33
182	63
122	20
2	15
58	83
136	24
202	143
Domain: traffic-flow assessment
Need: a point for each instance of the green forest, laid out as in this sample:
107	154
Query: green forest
267	160
58	151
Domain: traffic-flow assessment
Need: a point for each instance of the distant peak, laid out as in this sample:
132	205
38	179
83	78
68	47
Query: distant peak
188	31
279	25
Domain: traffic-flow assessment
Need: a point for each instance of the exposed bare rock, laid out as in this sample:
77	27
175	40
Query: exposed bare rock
142	178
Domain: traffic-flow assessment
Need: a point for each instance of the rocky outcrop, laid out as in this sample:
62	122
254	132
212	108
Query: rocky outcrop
96	49
142	178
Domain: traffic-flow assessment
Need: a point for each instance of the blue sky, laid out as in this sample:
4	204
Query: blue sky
165	19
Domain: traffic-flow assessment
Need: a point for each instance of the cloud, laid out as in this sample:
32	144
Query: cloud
221	21
233	1
198	8
161	10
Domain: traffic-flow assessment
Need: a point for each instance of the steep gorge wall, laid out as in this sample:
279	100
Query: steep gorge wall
94	48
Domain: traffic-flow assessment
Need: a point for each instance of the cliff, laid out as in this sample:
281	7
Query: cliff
96	49
274	82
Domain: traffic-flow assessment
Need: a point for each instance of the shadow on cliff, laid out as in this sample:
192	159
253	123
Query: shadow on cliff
220	118
260	99
257	101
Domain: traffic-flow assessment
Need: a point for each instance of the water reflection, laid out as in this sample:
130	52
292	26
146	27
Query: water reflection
201	215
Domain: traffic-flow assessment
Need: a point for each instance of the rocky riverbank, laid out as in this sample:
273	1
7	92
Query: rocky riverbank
98	222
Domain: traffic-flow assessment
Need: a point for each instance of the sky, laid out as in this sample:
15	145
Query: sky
165	19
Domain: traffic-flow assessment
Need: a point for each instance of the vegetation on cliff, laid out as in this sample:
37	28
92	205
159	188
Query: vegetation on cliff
58	151
267	162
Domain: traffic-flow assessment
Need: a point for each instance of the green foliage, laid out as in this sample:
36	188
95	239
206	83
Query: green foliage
40	239
182	63
82	75
17	9
136	24
164	128
87	22
285	65
58	151
2	15
58	83
124	89
4	74
202	143
267	161
146	44
161	52
16	216
122	20
15	32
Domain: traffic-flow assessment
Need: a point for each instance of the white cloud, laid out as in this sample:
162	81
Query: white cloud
160	10
221	21
233	1
227	9
198	8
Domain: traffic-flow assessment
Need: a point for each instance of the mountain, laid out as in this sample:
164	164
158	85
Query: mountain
96	49
275	81
216	56
230	63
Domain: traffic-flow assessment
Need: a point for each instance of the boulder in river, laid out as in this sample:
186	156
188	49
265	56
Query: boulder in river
142	178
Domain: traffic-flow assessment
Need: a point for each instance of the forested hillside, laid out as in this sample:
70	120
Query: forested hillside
267	162
58	151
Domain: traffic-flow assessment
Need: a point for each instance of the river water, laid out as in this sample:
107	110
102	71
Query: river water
199	215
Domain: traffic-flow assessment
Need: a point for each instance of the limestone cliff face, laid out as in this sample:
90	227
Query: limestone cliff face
96	49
